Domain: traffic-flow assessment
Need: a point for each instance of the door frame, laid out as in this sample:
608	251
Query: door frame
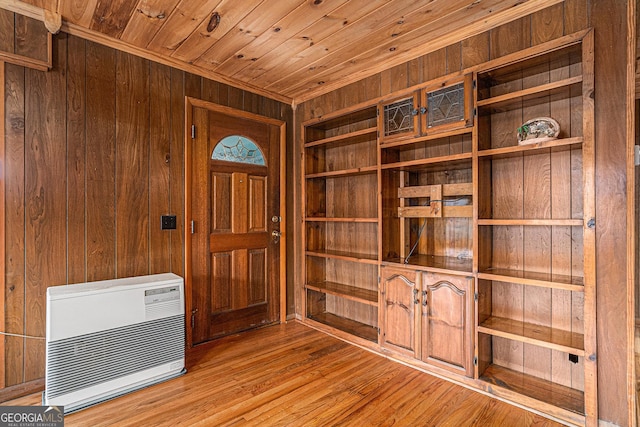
190	103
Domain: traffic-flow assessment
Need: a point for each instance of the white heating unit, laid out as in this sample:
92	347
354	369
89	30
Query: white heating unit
107	338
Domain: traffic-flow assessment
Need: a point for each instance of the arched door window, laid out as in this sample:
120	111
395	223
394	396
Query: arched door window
238	149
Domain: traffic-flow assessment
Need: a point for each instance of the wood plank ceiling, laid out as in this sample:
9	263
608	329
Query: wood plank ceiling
291	50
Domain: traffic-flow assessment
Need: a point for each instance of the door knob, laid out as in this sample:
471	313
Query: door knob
275	235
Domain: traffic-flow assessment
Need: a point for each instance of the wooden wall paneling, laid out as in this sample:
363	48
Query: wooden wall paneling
546	25
176	170
14	261
45	201
576	15
385	82
475	50
454	57
2	225
223	94
76	161
210	91
298	171
434	64
252	102
160	125
287	262
132	165
193	85
372	87
614	318
7	30
101	162
414	73
399	76
235	98
30	38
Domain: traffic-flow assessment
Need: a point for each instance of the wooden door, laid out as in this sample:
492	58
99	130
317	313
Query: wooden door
235	208
446	322
400	293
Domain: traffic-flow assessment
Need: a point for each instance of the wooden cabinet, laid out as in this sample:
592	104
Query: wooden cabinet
440	106
428	316
446	321
400	301
483	246
341	222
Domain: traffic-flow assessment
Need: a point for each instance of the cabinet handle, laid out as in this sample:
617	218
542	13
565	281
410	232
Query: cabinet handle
424	294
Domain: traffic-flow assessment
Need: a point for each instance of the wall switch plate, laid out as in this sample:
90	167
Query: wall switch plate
168	222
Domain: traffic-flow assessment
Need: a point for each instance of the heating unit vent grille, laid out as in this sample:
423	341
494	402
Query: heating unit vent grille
91	359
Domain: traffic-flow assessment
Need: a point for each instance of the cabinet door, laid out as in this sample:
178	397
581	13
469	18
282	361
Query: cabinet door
400	300
399	118
446	306
447	105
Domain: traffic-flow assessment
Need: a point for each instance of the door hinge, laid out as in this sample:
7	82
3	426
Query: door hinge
636	155
379	279
475	83
193	227
475	361
193	131
378	329
475	296
475	112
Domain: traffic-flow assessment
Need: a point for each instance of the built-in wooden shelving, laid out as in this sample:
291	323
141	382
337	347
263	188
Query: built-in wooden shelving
409	216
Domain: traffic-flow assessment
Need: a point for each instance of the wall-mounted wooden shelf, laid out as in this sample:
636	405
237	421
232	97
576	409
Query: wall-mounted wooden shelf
543	336
345	256
353	327
343	138
354	293
517	150
442	264
454	161
530	278
531	222
343	173
550	393
512	99
334	219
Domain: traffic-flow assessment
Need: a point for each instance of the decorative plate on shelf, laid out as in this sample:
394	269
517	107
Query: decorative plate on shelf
540	129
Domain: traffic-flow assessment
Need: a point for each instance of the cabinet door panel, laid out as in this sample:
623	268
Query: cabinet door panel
400	291
446	322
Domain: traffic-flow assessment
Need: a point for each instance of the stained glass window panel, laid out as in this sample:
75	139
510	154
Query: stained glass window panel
238	149
398	117
445	105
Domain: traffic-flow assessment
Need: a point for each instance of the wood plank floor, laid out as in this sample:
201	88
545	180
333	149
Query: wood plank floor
292	375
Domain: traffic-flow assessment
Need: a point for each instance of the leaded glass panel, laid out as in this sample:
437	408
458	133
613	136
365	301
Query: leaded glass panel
398	117
238	149
445	105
